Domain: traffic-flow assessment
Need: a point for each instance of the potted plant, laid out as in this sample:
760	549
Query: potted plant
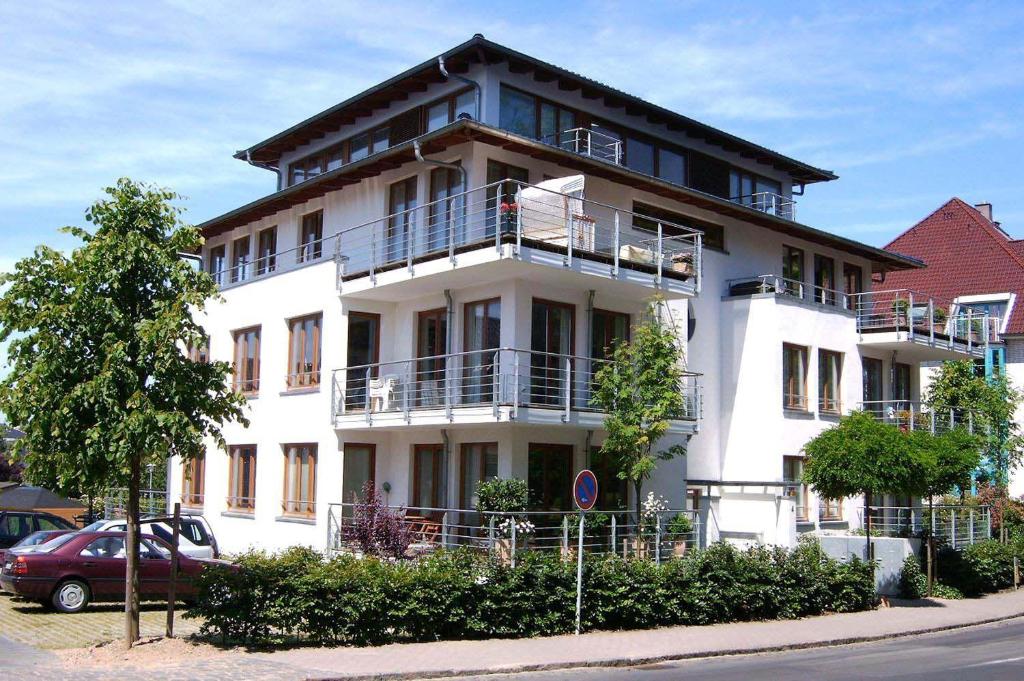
594	524
679	530
900	307
503	501
509	214
650	516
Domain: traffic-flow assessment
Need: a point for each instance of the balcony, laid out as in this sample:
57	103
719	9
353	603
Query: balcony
926	327
791	289
548	232
248	269
768	202
589	143
910	415
503	385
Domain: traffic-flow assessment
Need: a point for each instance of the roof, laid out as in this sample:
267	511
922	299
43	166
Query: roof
965	254
467	130
28	498
480	50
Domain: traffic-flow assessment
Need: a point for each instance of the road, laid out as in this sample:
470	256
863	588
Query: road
986	653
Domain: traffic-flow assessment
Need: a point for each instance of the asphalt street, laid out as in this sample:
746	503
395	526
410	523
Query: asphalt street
986	653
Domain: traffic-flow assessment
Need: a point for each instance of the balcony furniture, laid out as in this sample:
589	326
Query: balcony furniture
424	530
382	391
553	210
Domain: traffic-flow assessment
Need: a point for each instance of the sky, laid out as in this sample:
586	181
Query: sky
909	103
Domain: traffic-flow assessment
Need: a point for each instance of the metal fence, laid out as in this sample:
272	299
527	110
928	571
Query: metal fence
954	525
486	378
792	288
924	316
661	536
151	502
912	415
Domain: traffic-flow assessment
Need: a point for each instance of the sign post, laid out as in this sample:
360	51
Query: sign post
584	493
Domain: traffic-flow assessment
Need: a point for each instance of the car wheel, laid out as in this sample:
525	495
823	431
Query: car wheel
71	596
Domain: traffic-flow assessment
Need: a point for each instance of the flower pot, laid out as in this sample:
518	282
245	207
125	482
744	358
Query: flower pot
679	549
635	547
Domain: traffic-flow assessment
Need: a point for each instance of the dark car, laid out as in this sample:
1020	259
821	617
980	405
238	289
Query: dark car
72	570
16	525
29	543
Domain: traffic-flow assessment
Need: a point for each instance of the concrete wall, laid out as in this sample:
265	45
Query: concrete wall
890	552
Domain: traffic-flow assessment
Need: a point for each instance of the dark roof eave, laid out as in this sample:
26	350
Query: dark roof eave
802	172
469	130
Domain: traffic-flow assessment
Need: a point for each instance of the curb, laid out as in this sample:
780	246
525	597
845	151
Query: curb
655	659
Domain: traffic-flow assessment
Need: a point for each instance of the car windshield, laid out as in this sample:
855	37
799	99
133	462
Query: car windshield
95	527
33	539
56	543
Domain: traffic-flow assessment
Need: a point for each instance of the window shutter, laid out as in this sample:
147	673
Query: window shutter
405	126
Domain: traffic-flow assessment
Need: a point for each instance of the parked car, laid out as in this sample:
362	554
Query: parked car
16	525
75	569
32	542
195	538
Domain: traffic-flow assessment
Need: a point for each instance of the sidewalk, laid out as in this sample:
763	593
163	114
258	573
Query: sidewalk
455	658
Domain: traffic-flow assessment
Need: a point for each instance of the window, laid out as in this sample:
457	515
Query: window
247	361
496	172
358	470
743	185
830	509
792	475
428	482
552	342
607	329
192	485
311	237
242	478
304	351
479	462
647	218
200	353
240	259
481	335
217	264
872	385
266	251
640	156
517	112
853	283
359	147
793	270
549	477
672	166
402	202
438	115
824	280
105	547
901	384
362	355
612	492
299	480
830	371
555	122
444	223
794	377
447	110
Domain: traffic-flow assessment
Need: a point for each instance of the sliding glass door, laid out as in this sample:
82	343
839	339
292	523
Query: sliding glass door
551	344
482	320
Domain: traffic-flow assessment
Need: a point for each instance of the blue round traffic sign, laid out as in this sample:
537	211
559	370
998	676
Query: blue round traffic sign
584	490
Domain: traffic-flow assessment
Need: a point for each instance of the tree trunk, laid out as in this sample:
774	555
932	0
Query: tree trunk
131	582
637	485
930	547
867	527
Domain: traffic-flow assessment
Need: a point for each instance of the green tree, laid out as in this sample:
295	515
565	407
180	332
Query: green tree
640	390
99	379
862	456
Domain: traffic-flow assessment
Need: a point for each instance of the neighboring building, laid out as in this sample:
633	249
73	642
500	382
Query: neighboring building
974	263
424	324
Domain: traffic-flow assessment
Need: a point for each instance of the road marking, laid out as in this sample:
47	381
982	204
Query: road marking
1003	661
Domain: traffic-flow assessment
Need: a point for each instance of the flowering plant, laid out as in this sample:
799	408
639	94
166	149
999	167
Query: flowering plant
523	528
509	209
653	506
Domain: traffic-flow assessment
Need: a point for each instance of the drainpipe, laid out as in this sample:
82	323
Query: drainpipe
265	166
443	164
590	344
444	466
449	311
586	450
476	85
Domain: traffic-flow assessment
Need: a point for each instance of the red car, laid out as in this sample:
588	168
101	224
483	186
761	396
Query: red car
72	570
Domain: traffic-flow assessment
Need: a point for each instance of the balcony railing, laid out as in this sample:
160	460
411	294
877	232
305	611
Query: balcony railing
510	212
924	317
505	534
503	377
780	286
768	202
274	263
911	415
955	525
588	142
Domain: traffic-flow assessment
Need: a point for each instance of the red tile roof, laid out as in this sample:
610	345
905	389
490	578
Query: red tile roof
965	255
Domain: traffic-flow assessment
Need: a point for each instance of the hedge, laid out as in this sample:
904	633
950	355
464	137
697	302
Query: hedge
271	598
976	569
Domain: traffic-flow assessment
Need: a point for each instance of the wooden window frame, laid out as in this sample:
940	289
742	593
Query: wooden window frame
372	450
571	307
266	264
803	510
825	294
247	385
900	370
464	453
193	482
437	451
315	247
792	255
548	448
237	273
200	353
234	501
294	379
830	404
291	503
788	401
830	510
218	275
608	327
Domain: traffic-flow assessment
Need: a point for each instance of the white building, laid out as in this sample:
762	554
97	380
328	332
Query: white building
422	324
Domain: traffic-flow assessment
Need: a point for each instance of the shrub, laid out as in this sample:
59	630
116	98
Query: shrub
501	495
979	568
378	530
913	581
457	594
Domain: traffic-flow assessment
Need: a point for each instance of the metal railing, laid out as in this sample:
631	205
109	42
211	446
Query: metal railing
303	255
924	317
793	288
660	536
494	378
912	415
588	142
151	502
954	525
563	223
768	202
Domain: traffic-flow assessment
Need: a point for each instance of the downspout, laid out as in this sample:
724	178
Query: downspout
444	466
587	350
449	311
586	451
443	164
264	166
476	85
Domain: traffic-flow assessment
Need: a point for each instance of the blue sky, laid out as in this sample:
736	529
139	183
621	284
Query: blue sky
909	103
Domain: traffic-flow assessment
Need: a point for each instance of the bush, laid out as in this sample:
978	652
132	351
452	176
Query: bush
913	581
501	495
459	595
977	569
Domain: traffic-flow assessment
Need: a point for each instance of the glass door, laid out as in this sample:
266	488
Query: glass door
428	479
872	385
550	477
496	172
359	462
482	321
362	356
401	224
431	340
444	210
551	342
